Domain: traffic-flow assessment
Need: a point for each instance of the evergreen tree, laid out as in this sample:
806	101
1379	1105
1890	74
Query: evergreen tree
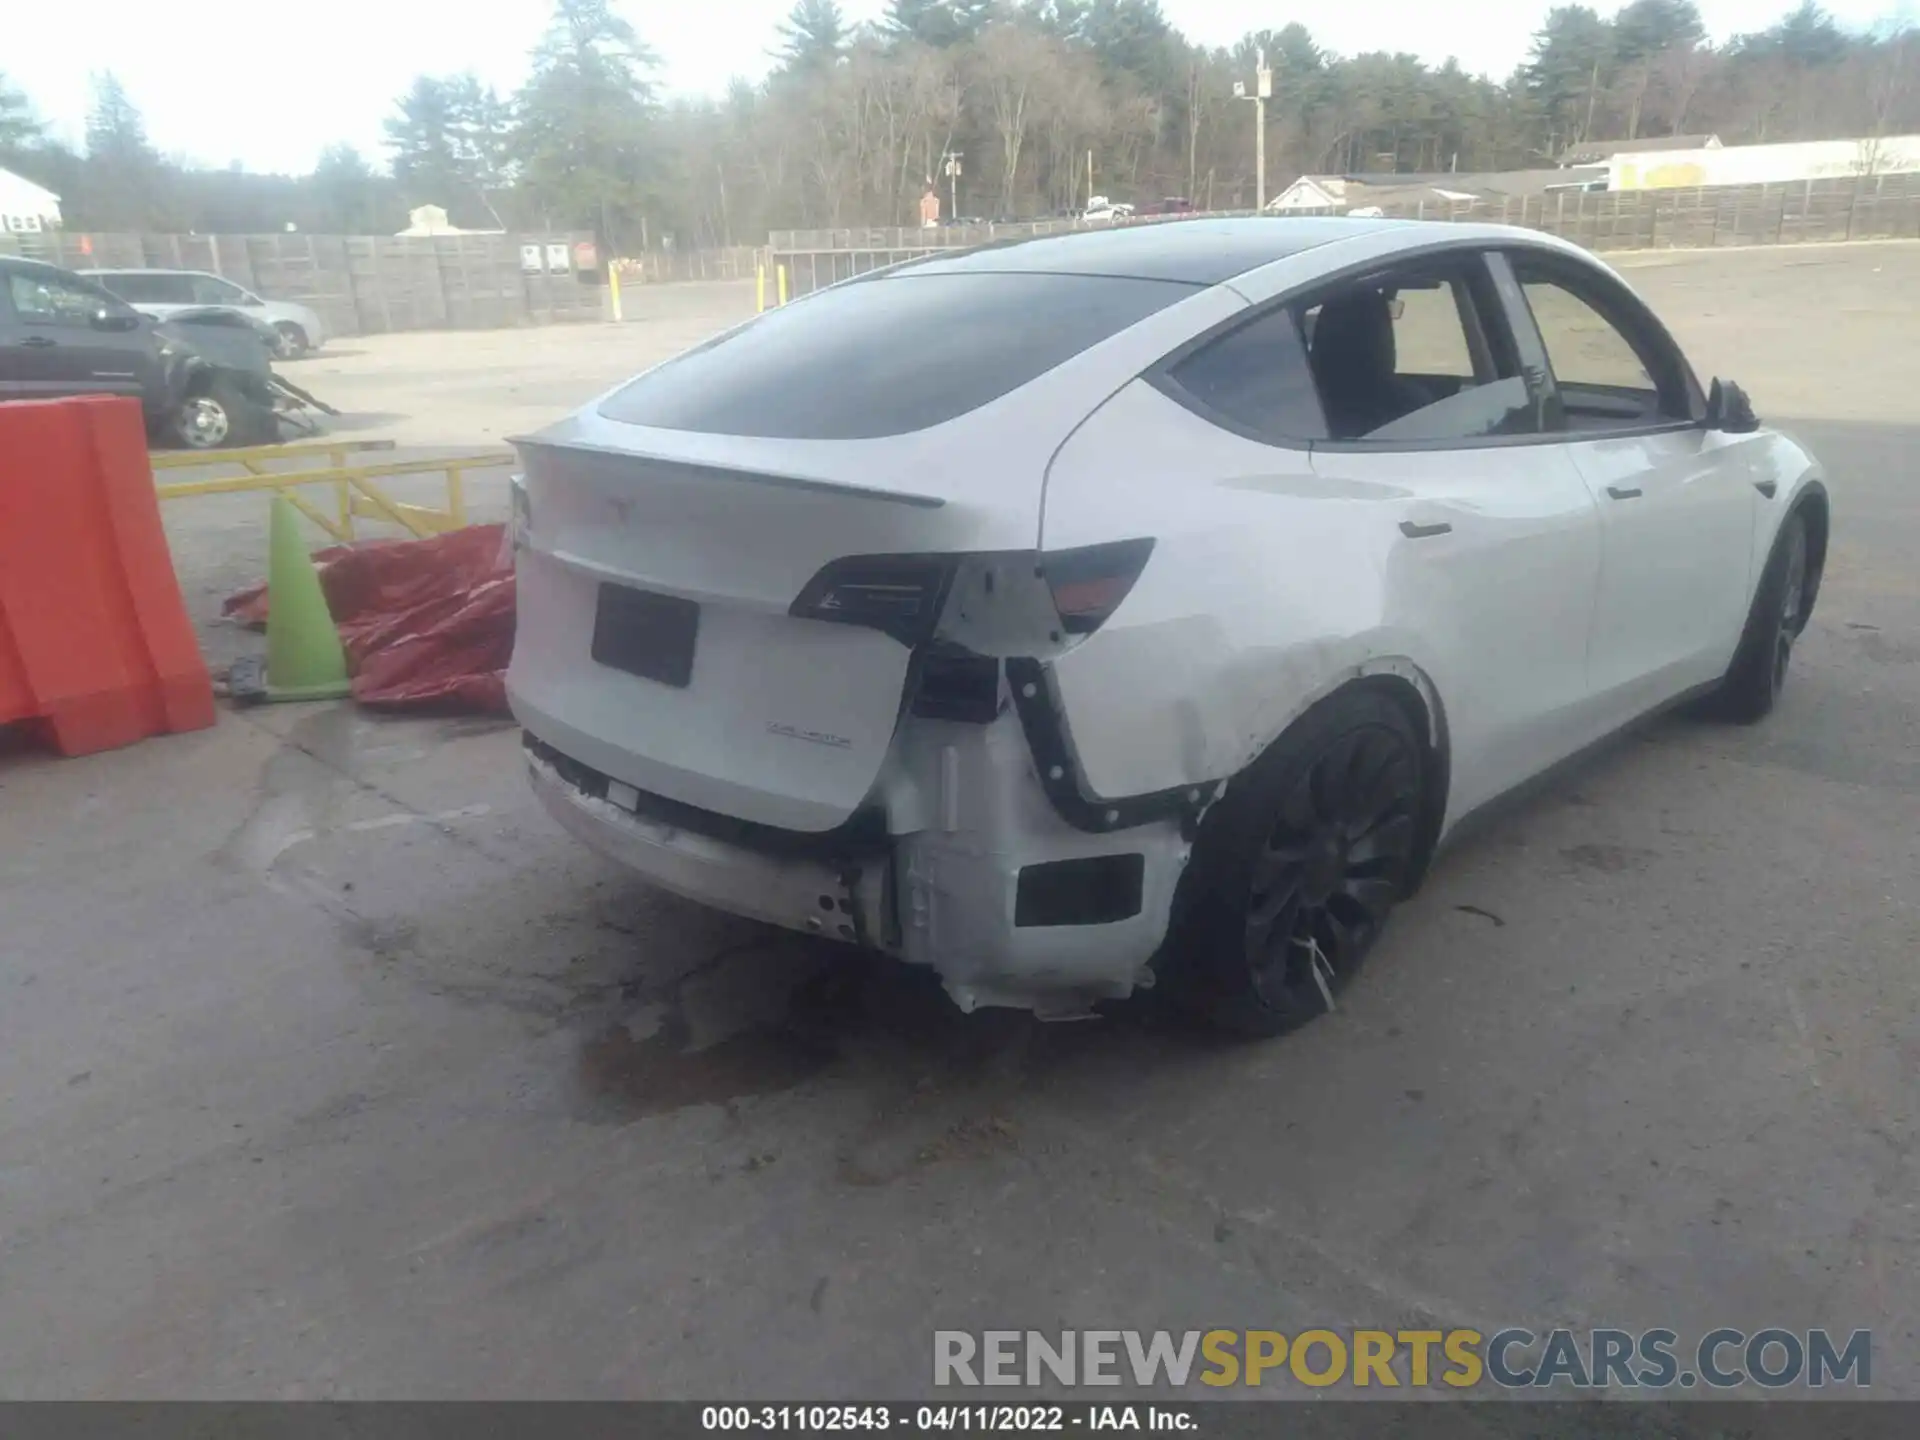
813	35
20	128
585	117
939	23
422	137
1568	70
1646	28
348	197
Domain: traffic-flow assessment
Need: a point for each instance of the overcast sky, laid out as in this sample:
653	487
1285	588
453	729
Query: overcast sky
270	85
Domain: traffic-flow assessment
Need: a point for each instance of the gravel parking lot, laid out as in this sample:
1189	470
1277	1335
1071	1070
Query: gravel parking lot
331	1069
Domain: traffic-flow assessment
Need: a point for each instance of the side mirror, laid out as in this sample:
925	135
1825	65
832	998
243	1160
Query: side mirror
116	320
1729	410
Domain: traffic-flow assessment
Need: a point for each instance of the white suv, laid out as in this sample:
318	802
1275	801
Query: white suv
1126	636
165	293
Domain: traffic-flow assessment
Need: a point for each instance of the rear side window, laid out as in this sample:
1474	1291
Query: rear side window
887	357
150	289
1256	379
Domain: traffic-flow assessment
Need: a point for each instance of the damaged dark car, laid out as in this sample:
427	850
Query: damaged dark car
204	378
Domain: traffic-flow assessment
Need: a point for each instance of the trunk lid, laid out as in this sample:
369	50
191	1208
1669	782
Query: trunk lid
655	577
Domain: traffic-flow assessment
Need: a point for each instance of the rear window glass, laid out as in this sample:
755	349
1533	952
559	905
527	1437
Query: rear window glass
886	357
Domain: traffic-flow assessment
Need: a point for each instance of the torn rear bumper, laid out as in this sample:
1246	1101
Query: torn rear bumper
987	884
818	897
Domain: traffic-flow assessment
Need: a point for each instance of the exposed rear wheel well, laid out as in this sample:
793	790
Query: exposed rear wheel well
1297	867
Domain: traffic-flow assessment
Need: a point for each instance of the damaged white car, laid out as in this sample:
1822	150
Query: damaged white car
1139	607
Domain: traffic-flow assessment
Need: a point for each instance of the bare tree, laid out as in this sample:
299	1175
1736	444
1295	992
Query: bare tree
1013	63
1678	72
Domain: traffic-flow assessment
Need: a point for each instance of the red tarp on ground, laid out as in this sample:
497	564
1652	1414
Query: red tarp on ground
424	622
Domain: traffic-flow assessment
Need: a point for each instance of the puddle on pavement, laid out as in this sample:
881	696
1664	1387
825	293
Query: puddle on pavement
622	1078
781	1012
763	1018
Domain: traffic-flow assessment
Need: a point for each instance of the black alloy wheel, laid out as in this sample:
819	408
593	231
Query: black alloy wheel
1782	605
1793	599
1332	868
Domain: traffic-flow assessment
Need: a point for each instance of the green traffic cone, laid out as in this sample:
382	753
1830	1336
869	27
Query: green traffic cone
304	658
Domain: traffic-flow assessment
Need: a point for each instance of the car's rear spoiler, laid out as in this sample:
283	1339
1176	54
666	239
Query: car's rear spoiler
729	472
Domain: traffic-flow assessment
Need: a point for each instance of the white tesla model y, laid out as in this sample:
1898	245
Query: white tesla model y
1139	607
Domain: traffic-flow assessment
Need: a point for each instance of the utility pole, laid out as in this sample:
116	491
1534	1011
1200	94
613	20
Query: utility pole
1262	92
951	163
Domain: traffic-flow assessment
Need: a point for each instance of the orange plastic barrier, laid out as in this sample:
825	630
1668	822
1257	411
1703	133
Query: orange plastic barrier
94	638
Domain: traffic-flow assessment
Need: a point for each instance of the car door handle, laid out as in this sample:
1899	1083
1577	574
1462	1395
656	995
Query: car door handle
39	342
1623	492
1768	488
1423	532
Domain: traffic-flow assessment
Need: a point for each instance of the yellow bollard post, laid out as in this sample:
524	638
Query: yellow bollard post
457	486
613	286
760	289
783	284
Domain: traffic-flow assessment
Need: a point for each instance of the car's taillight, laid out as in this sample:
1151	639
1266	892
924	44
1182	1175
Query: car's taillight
1089	583
900	595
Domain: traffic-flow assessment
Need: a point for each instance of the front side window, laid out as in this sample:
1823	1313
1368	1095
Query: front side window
1410	356
1608	377
54	300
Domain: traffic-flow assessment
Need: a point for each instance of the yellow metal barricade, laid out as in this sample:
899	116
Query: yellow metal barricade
357	493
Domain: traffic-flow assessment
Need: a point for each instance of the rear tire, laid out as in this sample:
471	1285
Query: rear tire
1781	607
1296	870
292	344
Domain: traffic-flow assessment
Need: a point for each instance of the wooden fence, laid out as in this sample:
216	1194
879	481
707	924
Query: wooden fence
366	284
1873	207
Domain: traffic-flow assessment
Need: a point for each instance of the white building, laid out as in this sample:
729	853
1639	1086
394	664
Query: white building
26	208
1765	164
1311	192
